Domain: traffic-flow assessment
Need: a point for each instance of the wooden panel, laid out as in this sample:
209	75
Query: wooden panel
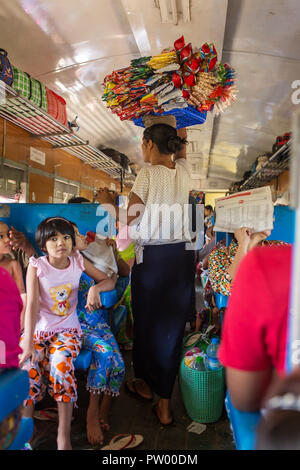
87	193
42	187
58	162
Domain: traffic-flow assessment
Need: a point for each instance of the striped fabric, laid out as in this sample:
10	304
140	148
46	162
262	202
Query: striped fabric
56	107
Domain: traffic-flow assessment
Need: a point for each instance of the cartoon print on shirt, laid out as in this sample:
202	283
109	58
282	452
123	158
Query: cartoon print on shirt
60	295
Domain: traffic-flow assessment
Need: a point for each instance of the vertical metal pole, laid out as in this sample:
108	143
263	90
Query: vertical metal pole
3	150
293	338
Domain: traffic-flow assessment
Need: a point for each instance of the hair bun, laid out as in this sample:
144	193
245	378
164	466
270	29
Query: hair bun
175	143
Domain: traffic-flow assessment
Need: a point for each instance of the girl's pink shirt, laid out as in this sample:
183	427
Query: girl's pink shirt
10	311
58	294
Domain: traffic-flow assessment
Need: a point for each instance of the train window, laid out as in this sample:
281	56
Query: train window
64	191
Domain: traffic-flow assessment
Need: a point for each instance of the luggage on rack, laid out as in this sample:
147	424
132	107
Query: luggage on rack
57	107
30	88
6	72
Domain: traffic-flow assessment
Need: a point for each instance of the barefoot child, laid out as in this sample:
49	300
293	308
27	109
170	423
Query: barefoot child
12	266
107	368
52	334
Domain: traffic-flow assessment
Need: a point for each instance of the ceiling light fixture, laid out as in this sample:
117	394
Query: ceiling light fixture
171	10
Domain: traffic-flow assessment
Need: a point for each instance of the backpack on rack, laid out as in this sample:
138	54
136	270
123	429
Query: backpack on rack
6	72
30	88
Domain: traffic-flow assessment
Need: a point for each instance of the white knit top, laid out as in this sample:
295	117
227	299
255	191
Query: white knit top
165	194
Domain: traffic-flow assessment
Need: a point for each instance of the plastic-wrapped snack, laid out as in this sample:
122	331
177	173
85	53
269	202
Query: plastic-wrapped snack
170	96
165	90
168	68
161	60
158	89
175	104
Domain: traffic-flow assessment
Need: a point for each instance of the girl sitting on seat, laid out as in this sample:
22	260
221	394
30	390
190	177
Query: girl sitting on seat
52	334
107	370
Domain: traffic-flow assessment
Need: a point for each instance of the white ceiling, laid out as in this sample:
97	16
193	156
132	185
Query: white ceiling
71	45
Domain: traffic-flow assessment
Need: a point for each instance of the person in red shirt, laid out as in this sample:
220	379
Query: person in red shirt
253	343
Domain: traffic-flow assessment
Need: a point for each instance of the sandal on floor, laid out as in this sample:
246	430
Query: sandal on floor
154	410
124	441
135	391
48	414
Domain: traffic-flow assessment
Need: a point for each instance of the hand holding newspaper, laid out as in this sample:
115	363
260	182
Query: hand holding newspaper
253	209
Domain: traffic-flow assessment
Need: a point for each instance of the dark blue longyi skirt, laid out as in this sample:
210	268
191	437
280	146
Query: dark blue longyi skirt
162	289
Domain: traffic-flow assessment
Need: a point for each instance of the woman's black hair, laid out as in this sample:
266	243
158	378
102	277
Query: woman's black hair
165	137
50	227
78	200
209	208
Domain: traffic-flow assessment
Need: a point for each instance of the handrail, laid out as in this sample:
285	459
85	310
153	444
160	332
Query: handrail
252	182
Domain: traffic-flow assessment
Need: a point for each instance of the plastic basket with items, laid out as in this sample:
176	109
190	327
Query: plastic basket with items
201	379
182	81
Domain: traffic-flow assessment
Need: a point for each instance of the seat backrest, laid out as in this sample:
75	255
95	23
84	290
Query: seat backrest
14	389
88	217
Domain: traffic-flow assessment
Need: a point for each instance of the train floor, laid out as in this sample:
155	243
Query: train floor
132	415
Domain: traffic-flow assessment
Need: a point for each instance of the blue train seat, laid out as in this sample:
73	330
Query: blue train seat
221	300
83	360
243	426
14	389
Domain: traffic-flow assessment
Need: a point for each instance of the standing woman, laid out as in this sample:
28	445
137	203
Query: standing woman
163	273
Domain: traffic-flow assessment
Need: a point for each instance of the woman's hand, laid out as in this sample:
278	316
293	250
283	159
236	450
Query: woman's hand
113	244
258	237
243	236
19	240
105	196
28	352
93	301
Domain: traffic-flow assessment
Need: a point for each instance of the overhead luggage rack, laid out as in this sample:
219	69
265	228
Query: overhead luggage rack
24	114
276	164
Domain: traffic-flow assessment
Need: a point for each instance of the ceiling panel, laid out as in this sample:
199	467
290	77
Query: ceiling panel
71	46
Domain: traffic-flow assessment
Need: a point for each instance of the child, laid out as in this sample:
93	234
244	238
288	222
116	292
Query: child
52	334
107	368
12	266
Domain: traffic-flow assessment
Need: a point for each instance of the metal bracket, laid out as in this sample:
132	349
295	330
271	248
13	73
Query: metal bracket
70	145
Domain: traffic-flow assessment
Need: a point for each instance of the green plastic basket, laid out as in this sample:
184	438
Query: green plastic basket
202	393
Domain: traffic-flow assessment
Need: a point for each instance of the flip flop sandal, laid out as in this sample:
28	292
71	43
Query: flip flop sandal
124	441
134	391
43	415
172	423
48	414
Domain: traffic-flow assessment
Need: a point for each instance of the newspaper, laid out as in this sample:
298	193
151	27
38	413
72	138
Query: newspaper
252	209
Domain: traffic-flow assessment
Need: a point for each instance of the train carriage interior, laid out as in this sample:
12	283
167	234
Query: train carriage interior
77	79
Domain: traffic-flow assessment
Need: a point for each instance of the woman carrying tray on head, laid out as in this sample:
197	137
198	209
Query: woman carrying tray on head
163	274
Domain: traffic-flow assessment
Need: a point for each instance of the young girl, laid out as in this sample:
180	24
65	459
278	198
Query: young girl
52	334
12	266
107	371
